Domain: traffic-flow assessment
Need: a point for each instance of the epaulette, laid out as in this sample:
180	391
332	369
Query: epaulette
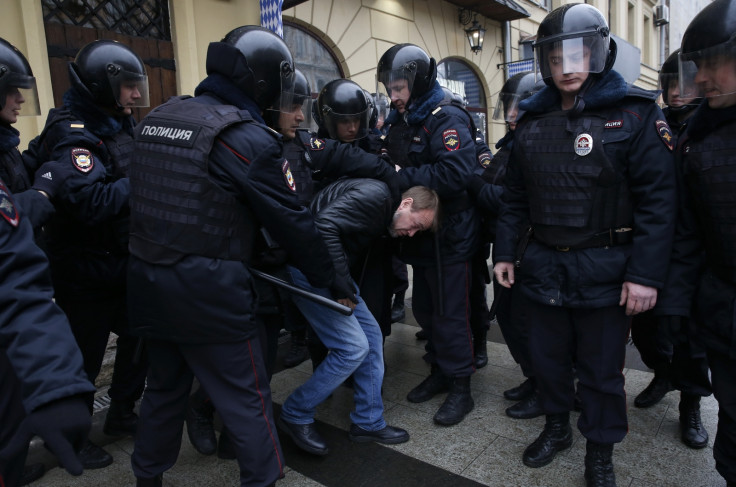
637	92
76	126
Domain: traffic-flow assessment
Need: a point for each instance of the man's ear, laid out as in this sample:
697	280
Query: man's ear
406	203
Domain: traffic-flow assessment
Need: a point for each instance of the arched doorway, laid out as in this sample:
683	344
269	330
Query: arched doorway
457	76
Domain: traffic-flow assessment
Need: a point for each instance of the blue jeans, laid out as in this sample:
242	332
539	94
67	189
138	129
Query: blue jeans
356	347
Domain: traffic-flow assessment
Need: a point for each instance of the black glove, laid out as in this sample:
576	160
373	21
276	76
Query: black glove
49	179
342	288
63	424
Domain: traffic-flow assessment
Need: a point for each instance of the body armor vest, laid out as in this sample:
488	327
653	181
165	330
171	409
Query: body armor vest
576	185
397	143
496	170
297	153
176	209
710	173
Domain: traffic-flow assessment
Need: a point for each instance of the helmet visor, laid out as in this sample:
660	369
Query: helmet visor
586	54
26	85
130	88
708	72
346	127
398	82
507	107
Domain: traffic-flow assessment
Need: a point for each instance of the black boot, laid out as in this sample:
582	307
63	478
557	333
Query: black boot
692	431
93	456
556	436
31	473
431	386
156	481
397	310
599	465
120	419
298	352
226	447
201	427
421	334
522	391
527	409
657	388
480	350
457	404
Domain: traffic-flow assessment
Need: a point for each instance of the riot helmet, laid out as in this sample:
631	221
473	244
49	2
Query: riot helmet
709	44
576	38
410	63
374	110
517	88
669	79
383	106
301	100
342	109
16	74
258	62
107	71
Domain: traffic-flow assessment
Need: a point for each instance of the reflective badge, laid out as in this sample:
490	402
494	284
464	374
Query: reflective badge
451	139
7	208
416	139
82	159
316	144
583	144
665	133
286	169
614	124
485	159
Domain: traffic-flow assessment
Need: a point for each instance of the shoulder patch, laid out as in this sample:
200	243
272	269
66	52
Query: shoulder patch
316	144
665	133
484	159
82	159
451	139
7	208
288	177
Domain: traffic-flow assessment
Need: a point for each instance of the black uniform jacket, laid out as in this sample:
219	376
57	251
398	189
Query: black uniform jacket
636	141
34	333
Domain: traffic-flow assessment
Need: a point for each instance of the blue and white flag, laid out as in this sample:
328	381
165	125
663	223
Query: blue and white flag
271	16
520	66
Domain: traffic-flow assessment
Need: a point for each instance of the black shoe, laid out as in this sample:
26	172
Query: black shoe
31	473
390	435
457	404
655	391
398	313
93	456
421	334
527	409
120	419
305	436
201	427
298	351
599	465
429	387
226	447
692	431
480	350
154	482
522	391
556	436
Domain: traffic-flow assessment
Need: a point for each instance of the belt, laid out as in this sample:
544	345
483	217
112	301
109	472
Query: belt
608	238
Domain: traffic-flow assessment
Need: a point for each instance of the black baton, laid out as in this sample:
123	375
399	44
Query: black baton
333	305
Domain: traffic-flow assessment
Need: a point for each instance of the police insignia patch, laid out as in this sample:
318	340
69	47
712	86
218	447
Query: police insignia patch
316	144
485	159
451	139
7	208
583	144
82	159
286	169
665	133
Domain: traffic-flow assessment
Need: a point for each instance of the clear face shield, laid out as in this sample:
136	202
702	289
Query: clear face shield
130	88
346	127
396	85
383	106
586	54
507	107
708	73
669	83
26	85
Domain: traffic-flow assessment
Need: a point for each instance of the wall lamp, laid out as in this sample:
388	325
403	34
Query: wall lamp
475	32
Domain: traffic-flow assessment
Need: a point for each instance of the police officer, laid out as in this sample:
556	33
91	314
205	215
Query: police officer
434	146
487	189
88	142
191	294
678	362
18	88
41	373
702	278
591	171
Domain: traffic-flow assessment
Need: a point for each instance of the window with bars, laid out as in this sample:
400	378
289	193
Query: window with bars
140	18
